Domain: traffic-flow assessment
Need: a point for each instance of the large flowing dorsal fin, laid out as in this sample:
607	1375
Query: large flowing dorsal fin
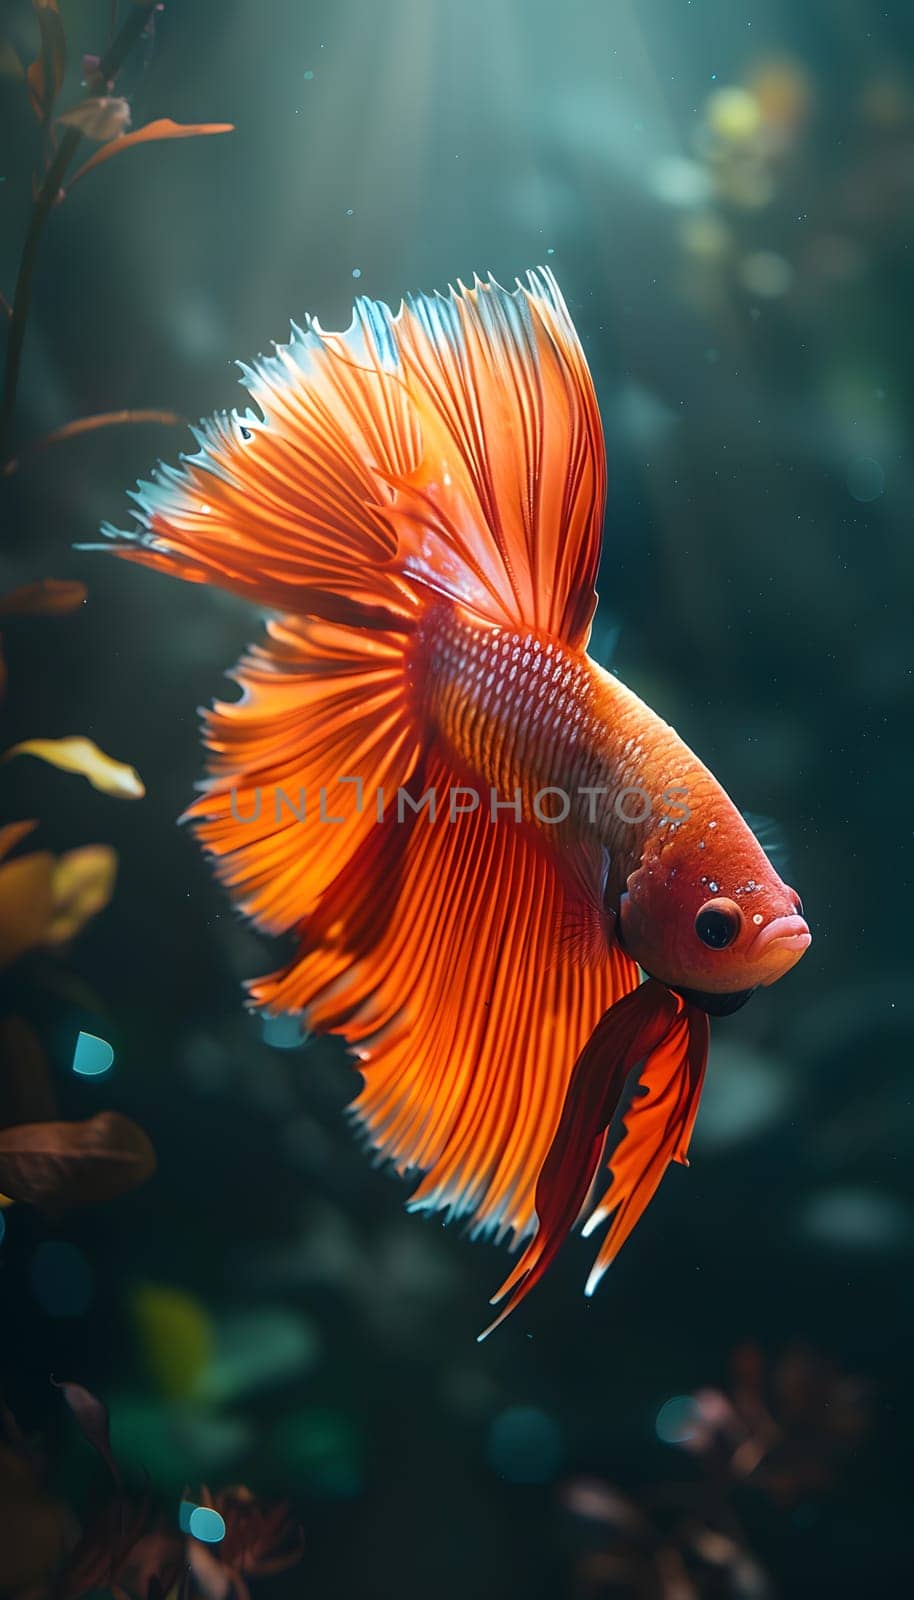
456	446
505	510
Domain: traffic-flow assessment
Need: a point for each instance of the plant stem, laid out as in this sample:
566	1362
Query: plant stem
46	198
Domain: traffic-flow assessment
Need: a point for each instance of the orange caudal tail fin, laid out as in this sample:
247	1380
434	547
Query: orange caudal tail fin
451	453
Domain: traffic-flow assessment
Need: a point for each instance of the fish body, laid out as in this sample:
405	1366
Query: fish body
522	894
562	746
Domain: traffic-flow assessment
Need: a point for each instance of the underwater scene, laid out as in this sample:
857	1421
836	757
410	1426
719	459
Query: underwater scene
456	599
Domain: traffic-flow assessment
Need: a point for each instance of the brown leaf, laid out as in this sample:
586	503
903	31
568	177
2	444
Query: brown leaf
26	1092
163	128
82	756
211	1577
100	117
46	597
58	1164
34	1527
26	904
153	1566
82	885
46	74
105	1556
92	1416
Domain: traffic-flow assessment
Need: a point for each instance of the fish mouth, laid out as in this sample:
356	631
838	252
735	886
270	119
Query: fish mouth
779	946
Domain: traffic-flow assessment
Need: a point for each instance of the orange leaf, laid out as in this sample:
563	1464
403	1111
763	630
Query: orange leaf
59	1164
102	419
46	597
46	74
12	834
163	128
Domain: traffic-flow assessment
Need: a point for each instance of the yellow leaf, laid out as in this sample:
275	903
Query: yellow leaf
100	118
175	1337
82	756
81	886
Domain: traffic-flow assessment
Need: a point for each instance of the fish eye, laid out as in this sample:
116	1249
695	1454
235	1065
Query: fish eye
718	923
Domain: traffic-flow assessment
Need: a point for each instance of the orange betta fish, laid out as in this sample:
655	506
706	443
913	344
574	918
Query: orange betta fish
514	890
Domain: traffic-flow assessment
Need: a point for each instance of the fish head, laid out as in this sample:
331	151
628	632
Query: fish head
707	912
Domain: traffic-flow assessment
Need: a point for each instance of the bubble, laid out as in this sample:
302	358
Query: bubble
734	114
254	1348
855	1219
308	76
705	235
356	272
525	1445
350	212
748	185
676	1420
92	1056
322	1450
206	1524
765	273
61	1280
677	181
865	479
749	1093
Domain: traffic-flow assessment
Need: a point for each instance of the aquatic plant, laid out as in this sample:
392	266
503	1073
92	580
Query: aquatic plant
45	901
128	1545
760	165
787	1427
783	1431
658	1548
102	118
